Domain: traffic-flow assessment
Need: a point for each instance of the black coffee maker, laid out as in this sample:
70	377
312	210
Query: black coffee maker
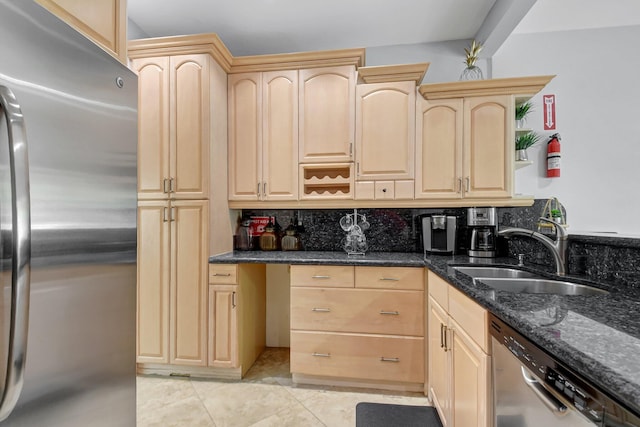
482	231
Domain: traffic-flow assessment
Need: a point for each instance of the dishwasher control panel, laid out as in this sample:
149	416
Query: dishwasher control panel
577	396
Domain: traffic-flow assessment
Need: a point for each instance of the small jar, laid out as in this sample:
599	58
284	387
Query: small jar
243	238
269	239
291	240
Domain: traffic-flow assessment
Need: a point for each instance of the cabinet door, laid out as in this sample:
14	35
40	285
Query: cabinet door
189	126
245	135
280	135
103	21
439	149
438	361
327	114
223	326
153	282
189	264
488	146
153	127
385	130
471	393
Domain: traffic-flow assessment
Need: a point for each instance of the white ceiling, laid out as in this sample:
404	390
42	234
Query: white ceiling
250	27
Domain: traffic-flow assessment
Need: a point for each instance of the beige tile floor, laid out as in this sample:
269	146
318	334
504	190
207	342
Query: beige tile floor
265	397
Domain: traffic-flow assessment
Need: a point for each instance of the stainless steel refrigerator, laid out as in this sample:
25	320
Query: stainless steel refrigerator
68	171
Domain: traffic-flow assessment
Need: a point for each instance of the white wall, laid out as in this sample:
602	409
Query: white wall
134	31
597	92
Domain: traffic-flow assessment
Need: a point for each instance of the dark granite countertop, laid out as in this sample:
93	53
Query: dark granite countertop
382	259
597	336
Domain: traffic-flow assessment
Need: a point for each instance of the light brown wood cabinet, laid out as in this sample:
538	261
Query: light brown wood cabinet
464	147
172	282
458	357
103	21
327	114
182	138
263	136
385	140
237	310
173	126
358	324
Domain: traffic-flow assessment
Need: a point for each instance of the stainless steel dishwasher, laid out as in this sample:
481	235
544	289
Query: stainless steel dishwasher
532	389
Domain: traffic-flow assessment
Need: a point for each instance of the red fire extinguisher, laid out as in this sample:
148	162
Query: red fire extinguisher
553	156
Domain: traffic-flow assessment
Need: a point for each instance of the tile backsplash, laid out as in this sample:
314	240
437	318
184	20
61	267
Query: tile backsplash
392	230
605	258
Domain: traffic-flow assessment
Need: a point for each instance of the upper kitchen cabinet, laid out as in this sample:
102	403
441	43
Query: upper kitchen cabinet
464	133
103	21
182	116
439	127
327	114
465	148
173	141
489	146
174	126
291	125
263	136
385	131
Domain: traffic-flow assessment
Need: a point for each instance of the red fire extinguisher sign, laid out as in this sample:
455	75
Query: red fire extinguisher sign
549	102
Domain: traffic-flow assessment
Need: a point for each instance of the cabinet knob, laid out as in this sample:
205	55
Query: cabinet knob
392	313
390	359
321	310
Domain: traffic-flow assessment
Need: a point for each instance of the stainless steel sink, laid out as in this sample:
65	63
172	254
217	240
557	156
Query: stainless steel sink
499	272
540	286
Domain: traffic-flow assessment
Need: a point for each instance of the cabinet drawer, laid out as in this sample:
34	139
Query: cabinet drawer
438	289
330	276
471	317
374	311
358	356
390	278
223	274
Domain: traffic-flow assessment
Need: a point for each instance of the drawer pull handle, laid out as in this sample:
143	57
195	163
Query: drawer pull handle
321	277
321	310
390	279
222	274
314	354
392	313
390	359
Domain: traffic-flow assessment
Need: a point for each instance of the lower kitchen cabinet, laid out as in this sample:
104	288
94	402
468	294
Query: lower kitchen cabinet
172	282
458	357
237	312
370	357
358	324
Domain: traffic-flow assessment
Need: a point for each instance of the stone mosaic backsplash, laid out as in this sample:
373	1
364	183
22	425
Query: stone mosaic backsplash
391	230
615	260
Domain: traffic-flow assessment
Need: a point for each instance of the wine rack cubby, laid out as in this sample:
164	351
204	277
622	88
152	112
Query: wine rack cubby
326	181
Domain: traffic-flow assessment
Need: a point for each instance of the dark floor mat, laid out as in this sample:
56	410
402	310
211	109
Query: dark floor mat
387	415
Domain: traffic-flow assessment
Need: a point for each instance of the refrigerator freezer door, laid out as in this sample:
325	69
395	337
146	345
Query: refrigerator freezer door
80	111
20	251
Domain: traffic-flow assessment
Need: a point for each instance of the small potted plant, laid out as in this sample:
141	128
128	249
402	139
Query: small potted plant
472	72
523	142
522	110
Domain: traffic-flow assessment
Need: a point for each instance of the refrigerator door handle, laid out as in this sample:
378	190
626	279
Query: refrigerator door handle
21	252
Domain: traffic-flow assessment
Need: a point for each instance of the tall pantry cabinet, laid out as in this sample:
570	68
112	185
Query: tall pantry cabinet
176	133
